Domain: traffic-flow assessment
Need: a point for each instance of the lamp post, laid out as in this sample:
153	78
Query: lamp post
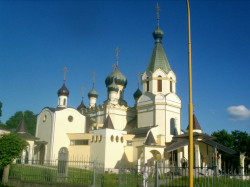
191	153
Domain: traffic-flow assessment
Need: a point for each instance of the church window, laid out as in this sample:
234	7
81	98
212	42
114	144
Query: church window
117	139
100	138
159	84
79	142
122	139
147	84
70	118
96	138
92	140
129	143
112	138
171	85
172	126
64	101
44	118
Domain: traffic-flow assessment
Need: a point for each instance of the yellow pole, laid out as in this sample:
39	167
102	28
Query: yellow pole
191	156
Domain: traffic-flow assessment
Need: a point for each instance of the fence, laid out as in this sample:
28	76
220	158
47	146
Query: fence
158	175
88	173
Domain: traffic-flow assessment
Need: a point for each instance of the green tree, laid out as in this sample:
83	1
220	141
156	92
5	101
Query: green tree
11	146
29	118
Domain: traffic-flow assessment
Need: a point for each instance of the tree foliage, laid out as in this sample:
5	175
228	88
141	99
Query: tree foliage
238	141
29	118
11	146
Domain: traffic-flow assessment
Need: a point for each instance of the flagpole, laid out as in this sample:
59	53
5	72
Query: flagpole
190	159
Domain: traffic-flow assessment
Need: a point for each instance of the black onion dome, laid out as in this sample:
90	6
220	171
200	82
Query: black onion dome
158	34
63	91
93	93
113	86
137	93
119	78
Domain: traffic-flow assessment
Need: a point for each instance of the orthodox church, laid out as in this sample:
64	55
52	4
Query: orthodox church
114	133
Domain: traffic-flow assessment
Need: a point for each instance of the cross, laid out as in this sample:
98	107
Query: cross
117	55
157	13
94	74
65	70
138	77
114	66
83	91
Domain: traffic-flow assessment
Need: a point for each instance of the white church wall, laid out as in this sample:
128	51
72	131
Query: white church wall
68	120
44	129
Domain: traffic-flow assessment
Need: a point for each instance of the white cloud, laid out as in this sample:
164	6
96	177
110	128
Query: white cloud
238	113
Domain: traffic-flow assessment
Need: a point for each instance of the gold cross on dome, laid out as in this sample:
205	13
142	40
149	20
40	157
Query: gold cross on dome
114	66
157	13
65	71
117	55
83	91
138	77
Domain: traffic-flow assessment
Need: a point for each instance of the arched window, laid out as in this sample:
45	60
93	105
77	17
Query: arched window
171	85
159	84
172	126
147	84
64	101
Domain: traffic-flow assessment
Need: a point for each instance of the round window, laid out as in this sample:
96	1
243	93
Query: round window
122	139
70	118
44	118
100	138
112	138
117	139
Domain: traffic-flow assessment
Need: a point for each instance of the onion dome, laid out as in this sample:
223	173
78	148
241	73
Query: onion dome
137	93
63	91
158	34
93	93
118	77
112	86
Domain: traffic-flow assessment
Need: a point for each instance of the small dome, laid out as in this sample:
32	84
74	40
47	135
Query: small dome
113	86
137	93
158	34
119	78
81	106
63	91
93	93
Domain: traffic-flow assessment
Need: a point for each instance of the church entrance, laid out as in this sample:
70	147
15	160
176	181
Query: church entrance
42	154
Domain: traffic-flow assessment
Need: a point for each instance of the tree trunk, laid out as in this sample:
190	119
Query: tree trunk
5	174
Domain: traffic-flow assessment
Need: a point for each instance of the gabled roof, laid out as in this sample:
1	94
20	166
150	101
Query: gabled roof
132	124
140	132
108	124
150	139
196	124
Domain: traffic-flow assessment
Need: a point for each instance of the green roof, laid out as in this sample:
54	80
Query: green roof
158	58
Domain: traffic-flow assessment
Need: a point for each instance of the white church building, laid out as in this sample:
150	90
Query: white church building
114	133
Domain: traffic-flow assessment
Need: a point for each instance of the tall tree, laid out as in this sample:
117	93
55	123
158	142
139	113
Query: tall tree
29	118
11	146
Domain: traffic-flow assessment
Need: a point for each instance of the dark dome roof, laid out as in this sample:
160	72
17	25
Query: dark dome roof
93	93
113	86
81	106
158	34
119	78
63	91
137	93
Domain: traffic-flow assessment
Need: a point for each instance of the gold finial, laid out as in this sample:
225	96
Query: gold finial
138	78
114	66
117	55
94	74
64	76
157	13
83	91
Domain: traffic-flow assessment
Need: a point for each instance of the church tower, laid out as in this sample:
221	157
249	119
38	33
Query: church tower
63	92
159	105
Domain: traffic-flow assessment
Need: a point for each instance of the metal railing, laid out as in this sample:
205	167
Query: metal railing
158	175
54	171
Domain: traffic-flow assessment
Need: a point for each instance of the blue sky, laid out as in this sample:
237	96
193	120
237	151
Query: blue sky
39	38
